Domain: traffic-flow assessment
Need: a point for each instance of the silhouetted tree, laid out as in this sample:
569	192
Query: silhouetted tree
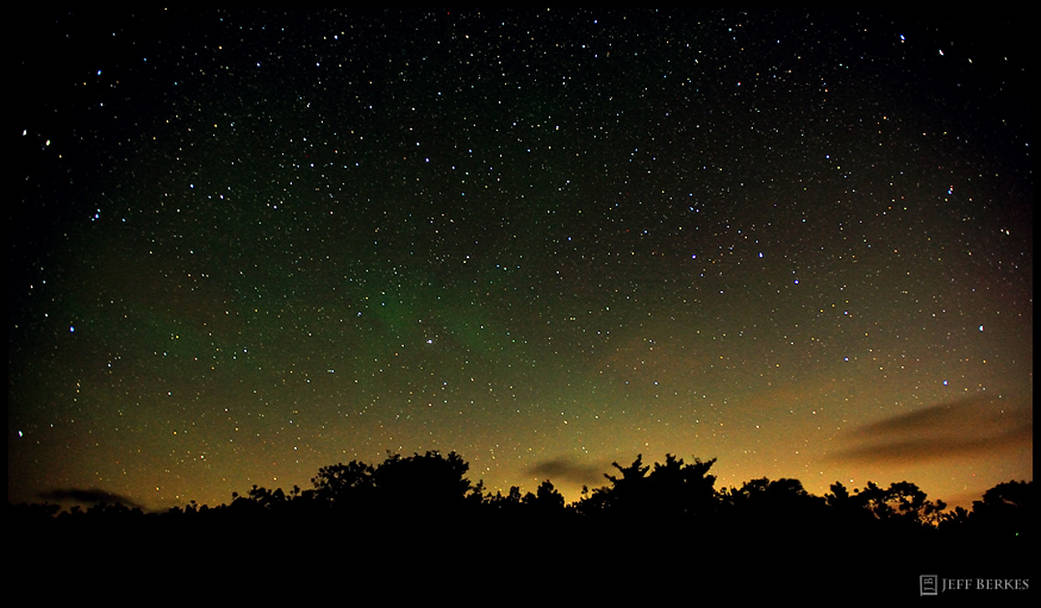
1006	510
341	484
912	504
764	510
622	498
901	503
781	499
510	502
673	490
953	521
431	482
682	490
849	510
546	500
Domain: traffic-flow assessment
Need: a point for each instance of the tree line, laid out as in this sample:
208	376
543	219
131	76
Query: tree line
433	485
425	509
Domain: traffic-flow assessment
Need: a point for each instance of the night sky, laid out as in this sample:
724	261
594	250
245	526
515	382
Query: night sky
248	244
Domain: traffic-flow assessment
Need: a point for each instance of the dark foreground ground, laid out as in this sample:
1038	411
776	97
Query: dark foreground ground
398	559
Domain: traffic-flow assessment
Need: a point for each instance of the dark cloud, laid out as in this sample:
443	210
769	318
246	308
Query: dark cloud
929	448
88	496
928	419
952	429
563	468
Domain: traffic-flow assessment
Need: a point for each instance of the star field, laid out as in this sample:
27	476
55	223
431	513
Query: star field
248	244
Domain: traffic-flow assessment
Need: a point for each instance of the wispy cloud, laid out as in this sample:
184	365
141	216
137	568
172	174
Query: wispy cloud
957	428
88	496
